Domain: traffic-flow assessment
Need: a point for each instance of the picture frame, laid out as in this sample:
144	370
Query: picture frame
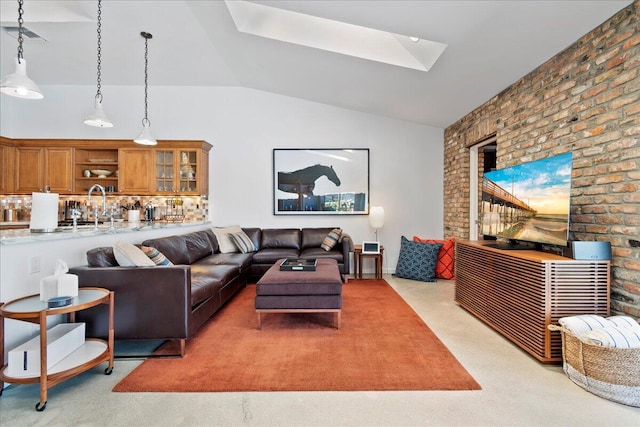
314	181
369	247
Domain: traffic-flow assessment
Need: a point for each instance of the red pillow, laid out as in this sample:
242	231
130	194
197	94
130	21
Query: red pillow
446	256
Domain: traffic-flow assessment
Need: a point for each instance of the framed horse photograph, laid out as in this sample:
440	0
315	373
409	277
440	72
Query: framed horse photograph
312	181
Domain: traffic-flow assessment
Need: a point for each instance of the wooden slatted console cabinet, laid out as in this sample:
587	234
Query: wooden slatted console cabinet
520	292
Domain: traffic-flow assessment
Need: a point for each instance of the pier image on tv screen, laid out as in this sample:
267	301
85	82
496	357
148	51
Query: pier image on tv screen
528	202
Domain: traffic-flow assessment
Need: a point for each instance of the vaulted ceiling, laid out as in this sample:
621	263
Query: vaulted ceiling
490	45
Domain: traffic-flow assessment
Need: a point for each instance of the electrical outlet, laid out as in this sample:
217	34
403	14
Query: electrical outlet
35	264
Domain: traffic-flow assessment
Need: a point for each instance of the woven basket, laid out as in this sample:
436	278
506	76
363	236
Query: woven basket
612	373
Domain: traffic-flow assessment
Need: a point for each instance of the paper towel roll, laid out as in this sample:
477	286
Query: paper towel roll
44	212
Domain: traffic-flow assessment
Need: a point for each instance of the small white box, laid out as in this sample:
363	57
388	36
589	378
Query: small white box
62	285
62	340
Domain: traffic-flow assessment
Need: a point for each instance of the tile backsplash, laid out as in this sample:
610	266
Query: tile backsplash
171	208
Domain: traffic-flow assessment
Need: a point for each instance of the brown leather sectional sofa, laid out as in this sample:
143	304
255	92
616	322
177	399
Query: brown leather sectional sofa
172	302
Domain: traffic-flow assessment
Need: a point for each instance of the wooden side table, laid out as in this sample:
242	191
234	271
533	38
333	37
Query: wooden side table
358	257
93	352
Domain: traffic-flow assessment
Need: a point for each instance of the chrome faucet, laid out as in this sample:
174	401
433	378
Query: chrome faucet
96	215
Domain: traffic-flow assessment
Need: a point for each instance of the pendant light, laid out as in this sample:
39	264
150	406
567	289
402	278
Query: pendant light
98	118
19	84
145	137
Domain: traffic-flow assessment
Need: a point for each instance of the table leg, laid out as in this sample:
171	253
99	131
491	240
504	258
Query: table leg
379	267
360	266
111	333
43	362
1	348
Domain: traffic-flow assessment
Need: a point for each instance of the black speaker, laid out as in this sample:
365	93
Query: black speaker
591	250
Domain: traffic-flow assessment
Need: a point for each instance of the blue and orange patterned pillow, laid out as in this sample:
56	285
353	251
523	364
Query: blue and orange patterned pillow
417	261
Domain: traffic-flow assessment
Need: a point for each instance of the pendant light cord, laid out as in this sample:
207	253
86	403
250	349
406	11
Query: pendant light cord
20	22
99	93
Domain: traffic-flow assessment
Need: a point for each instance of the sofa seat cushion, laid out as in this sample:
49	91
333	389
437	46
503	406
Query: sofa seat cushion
271	255
321	253
208	280
241	261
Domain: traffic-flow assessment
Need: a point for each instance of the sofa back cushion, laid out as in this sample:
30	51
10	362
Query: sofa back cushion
280	238
313	237
173	247
101	257
255	234
198	245
215	247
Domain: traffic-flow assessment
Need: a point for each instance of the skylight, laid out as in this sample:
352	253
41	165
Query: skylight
334	36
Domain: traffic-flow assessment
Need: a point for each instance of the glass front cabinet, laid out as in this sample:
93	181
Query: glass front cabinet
181	171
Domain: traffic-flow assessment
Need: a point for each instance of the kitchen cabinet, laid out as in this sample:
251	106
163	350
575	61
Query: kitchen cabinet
183	171
58	169
71	166
135	166
6	167
95	166
39	167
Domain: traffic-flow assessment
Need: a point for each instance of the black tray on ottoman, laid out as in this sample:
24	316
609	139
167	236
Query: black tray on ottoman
298	264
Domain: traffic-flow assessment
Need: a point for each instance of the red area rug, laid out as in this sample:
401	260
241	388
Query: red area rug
382	345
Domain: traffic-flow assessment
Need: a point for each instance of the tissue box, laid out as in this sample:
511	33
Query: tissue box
62	340
62	285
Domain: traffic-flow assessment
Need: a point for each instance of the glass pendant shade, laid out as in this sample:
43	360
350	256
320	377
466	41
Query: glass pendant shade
145	137
98	118
19	84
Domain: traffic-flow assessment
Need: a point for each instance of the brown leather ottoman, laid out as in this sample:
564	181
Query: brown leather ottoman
300	291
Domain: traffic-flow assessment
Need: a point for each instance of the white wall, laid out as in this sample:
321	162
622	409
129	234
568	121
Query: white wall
244	125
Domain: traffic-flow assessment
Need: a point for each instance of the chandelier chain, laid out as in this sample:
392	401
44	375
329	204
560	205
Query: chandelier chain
99	31
146	77
20	22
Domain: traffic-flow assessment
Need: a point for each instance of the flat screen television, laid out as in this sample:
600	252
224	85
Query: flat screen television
528	203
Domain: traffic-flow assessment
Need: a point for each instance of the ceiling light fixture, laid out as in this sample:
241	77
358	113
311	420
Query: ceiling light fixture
145	137
414	39
98	117
19	84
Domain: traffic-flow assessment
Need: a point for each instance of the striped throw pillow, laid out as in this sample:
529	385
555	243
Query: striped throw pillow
156	256
243	242
615	336
625	322
582	324
331	240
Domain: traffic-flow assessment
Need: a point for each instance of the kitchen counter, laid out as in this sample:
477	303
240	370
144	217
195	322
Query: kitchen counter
19	236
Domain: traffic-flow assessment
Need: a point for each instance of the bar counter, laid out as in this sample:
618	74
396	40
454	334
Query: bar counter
19	236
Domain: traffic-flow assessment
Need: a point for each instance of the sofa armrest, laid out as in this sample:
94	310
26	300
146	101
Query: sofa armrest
150	302
347	248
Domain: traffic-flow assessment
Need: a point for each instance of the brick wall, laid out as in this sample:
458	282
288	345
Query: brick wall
585	100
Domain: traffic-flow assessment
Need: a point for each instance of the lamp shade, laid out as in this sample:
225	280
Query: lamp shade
376	217
145	137
19	84
98	118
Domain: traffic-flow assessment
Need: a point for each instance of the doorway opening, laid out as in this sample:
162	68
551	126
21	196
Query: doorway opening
482	158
